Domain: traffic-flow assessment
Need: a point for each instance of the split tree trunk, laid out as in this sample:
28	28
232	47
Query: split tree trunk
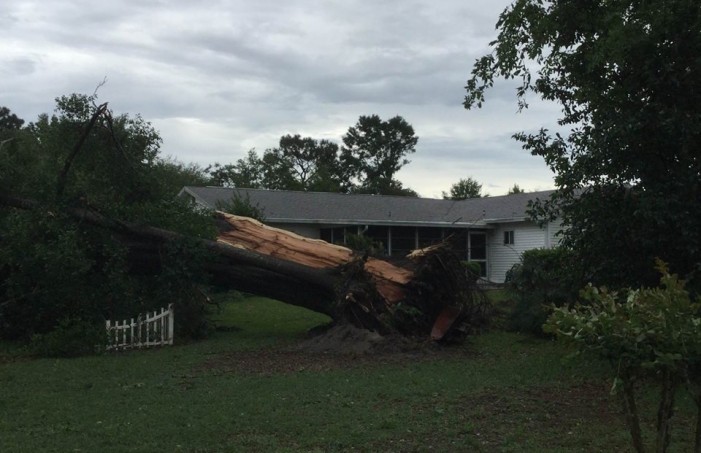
430	293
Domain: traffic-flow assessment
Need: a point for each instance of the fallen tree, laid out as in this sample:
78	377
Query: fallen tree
430	293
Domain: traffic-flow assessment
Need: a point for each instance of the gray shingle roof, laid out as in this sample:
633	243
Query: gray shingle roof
334	208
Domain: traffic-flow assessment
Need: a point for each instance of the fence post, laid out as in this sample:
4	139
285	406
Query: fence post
108	324
131	329
171	319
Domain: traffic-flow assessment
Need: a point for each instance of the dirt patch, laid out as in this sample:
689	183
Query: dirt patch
340	347
555	412
348	339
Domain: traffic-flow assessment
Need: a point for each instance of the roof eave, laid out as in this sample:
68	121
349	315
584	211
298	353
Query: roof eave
363	222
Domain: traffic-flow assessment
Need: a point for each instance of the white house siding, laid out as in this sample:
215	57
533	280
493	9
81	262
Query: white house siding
527	235
552	238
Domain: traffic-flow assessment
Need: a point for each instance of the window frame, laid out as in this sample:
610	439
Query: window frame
509	237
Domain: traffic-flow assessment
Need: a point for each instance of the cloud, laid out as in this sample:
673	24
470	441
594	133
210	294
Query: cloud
219	79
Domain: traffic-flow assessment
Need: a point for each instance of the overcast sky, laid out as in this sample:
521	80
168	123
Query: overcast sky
218	78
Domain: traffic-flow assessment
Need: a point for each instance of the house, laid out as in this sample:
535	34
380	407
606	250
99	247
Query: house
492	231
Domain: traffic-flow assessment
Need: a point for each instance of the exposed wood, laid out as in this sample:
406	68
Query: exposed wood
250	234
368	292
432	281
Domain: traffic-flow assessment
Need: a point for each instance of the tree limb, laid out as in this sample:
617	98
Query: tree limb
61	183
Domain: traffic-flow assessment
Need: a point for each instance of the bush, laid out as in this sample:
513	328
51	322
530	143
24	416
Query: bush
72	337
544	278
648	332
364	244
474	270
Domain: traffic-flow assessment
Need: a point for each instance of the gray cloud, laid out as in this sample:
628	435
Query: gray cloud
221	78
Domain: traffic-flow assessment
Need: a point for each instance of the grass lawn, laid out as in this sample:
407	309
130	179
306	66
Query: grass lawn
246	390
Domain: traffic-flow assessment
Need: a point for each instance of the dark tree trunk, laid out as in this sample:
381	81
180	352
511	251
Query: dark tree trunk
367	292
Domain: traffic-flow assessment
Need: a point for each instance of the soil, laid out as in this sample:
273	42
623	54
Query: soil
340	347
551	411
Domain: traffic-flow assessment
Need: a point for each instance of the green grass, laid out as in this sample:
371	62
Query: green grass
502	392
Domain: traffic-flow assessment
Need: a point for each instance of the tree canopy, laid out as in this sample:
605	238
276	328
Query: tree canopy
464	189
54	268
514	190
373	152
9	121
627	76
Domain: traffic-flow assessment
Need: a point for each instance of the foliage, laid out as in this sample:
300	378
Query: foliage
515	190
544	278
9	121
374	150
173	175
50	272
177	282
245	173
72	337
464	189
54	266
647	332
364	244
627	173
240	205
474	270
303	164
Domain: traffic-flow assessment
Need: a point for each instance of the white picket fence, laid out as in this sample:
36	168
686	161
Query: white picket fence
147	330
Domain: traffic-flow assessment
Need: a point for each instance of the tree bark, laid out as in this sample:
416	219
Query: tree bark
371	293
631	411
665	411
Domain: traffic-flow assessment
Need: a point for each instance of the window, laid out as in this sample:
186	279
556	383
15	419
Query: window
429	236
477	248
509	237
458	242
333	235
403	240
326	234
378	234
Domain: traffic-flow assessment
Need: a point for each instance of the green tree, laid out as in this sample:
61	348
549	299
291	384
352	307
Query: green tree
302	163
11	133
57	270
245	173
298	163
9	121
646	333
173	175
242	206
464	189
628	172
374	151
515	189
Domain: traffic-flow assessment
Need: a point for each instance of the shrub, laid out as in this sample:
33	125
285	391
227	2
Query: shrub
365	244
473	270
242	206
649	332
72	337
544	278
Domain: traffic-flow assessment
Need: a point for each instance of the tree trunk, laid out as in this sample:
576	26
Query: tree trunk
631	411
367	292
665	411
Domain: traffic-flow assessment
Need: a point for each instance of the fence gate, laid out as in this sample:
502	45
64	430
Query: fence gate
147	330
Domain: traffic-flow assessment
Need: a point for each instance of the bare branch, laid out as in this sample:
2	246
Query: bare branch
61	184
